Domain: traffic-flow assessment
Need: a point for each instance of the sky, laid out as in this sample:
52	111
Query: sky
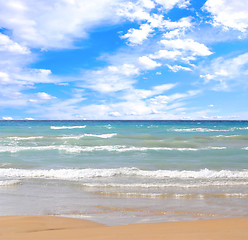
124	59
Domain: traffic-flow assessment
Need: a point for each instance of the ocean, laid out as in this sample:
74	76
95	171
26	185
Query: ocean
121	172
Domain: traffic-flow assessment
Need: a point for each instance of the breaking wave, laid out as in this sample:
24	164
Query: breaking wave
67	127
110	148
77	174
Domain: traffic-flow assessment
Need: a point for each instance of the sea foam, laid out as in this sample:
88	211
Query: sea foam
77	174
110	148
67	127
9	182
107	135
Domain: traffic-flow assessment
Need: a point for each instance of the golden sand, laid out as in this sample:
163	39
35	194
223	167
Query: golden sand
46	228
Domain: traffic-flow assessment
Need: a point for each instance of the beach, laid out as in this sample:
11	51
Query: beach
56	228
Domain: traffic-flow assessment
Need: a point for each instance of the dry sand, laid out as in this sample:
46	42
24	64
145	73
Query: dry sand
46	228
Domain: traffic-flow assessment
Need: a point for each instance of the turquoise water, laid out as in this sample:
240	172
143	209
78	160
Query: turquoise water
130	171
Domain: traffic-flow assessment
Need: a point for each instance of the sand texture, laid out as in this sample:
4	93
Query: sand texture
46	228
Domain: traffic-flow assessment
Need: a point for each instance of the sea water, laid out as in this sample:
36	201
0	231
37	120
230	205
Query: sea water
119	172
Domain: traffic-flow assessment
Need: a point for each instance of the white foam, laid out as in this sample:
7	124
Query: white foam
9	182
199	130
245	148
207	129
67	127
108	135
242	128
163	185
79	174
110	148
216	148
25	138
236	195
14	149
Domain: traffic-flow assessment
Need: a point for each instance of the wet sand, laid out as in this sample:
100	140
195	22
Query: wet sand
47	227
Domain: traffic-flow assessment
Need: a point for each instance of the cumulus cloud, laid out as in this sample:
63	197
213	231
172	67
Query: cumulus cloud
7	45
137	36
135	11
228	13
195	48
177	68
169	4
7	118
148	63
166	54
56	24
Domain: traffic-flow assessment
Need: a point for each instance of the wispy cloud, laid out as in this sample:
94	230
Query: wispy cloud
56	24
226	72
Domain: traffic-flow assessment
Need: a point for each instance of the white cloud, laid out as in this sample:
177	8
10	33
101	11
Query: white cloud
229	13
54	24
227	71
6	44
172	34
177	68
110	79
166	54
137	36
195	48
169	4
114	114
7	118
207	77
182	24
44	96
4	78
148	63
139	94
148	4
164	99
135	11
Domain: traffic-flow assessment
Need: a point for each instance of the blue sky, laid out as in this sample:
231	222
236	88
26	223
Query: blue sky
122	59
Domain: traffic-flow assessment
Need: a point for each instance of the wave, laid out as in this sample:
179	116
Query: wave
198	130
9	182
88	173
107	135
110	148
164	185
108	126
232	137
25	138
241	128
207	129
67	127
173	195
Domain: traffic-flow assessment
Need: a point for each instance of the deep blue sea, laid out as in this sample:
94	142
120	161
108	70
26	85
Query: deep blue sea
119	172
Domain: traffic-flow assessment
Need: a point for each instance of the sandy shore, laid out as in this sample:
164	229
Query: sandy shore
46	228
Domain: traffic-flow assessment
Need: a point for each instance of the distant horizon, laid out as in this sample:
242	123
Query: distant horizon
130	120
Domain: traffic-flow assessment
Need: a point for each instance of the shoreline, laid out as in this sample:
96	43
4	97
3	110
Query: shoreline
59	228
